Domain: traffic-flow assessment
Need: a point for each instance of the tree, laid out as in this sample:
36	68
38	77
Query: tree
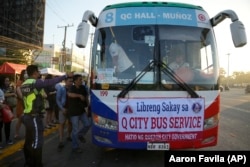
14	56
242	77
20	56
222	73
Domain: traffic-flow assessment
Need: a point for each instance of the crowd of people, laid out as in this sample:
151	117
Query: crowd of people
39	103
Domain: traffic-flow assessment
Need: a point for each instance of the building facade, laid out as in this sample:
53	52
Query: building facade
53	56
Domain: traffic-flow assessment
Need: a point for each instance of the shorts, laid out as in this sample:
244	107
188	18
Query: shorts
62	117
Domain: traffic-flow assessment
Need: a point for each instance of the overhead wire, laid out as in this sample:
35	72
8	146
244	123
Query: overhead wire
57	5
58	11
54	11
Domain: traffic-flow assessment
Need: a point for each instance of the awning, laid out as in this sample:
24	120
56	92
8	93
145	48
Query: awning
11	68
51	71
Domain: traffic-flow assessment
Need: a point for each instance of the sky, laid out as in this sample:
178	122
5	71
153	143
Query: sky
61	13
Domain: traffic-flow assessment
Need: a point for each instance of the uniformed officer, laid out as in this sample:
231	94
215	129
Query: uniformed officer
33	97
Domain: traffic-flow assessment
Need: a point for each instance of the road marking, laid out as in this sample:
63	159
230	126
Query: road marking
233	98
236	108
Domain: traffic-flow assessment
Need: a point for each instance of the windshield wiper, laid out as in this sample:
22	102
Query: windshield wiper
169	72
148	68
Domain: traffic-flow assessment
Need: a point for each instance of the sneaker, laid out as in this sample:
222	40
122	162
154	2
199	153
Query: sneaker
82	139
60	146
77	150
16	137
48	127
9	142
52	125
56	122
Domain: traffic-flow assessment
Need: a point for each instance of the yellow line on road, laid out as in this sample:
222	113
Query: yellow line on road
19	145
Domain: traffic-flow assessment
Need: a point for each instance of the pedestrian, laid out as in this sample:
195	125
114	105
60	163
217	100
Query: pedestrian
179	62
62	103
33	97
51	101
1	116
10	100
78	101
20	105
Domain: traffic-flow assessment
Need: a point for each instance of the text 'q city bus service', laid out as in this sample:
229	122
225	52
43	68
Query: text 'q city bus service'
138	99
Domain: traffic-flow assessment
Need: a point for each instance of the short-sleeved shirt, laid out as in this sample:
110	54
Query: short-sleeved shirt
60	96
75	105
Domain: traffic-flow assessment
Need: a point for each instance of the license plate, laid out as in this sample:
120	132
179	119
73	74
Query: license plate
157	146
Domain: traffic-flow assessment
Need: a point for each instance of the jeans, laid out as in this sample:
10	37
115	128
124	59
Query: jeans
76	132
6	130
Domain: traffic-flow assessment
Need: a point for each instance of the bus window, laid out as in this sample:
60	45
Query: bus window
138	51
206	60
142	32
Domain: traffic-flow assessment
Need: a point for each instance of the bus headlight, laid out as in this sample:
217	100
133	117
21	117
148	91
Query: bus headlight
211	122
104	122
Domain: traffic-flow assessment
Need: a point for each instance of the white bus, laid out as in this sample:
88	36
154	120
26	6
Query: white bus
138	99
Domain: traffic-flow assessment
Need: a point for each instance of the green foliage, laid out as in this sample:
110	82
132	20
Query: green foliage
237	78
14	56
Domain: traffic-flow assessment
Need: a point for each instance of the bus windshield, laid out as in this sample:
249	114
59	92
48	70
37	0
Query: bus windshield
120	53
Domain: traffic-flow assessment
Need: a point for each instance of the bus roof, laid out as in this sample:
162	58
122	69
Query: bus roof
152	4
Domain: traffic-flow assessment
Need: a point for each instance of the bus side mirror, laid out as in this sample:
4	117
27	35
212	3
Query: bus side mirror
238	33
82	34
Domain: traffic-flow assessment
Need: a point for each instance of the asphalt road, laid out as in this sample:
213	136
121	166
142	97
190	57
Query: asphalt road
234	134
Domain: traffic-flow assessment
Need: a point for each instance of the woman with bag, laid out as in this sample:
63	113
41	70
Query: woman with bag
1	116
5	115
50	103
9	93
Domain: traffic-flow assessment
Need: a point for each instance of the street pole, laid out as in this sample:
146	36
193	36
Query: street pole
63	56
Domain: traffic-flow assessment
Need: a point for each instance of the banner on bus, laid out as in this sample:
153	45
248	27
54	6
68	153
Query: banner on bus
160	119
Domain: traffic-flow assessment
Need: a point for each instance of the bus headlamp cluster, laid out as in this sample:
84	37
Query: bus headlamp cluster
105	123
211	122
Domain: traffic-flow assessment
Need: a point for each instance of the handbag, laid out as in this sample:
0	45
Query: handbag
7	114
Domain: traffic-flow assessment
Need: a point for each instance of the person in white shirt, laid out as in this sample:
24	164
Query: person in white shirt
180	67
123	65
178	63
